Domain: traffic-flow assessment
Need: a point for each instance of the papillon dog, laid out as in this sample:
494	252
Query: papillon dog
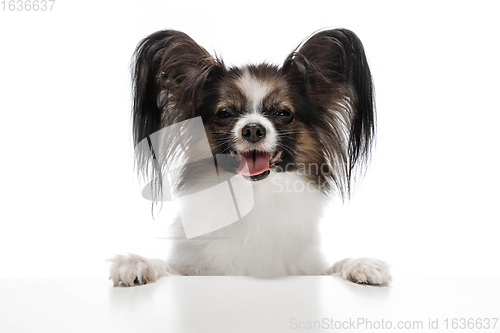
282	140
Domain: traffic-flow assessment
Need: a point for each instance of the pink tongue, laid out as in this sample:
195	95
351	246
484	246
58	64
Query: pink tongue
253	163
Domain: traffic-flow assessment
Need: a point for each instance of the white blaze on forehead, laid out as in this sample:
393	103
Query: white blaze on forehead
255	90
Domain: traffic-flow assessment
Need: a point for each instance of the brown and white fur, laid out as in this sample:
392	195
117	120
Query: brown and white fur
303	130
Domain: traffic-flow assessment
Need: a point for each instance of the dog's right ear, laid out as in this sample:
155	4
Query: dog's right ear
170	69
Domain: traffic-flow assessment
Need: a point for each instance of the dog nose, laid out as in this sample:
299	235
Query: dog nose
253	132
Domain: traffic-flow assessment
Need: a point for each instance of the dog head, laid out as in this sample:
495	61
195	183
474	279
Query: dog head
313	115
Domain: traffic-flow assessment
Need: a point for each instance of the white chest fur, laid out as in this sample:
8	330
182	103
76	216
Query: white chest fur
279	236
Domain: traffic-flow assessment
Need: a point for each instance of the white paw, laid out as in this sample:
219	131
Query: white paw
136	269
363	270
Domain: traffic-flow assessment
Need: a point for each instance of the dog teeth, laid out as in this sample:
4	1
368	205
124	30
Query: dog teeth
235	156
276	157
272	158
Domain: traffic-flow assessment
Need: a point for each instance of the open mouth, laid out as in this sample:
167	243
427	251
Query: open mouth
255	165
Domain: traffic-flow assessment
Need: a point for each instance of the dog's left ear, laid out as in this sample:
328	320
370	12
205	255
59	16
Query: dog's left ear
330	70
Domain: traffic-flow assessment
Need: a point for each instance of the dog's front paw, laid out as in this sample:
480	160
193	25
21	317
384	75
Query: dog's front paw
133	269
363	271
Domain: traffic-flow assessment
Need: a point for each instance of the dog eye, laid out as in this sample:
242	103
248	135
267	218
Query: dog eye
283	113
223	114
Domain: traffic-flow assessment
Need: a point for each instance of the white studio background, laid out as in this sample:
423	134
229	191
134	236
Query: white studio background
428	205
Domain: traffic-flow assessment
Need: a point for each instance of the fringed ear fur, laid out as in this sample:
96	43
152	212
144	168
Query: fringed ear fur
330	70
169	68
